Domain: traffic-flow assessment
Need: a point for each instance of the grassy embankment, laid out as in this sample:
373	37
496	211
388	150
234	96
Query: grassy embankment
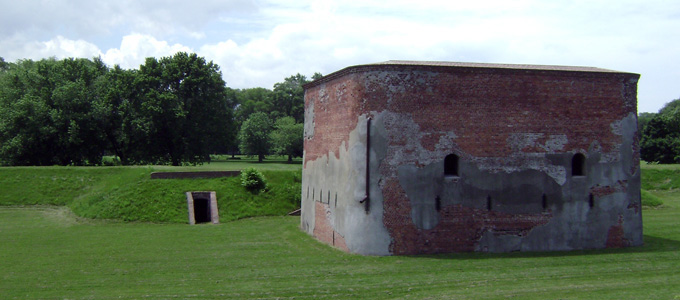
128	193
47	252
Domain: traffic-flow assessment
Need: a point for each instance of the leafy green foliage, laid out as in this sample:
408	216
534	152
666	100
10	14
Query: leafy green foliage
184	104
660	141
252	100
253	180
287	138
289	98
174	110
48	114
254	137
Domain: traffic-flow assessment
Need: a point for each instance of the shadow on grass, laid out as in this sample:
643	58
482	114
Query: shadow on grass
651	244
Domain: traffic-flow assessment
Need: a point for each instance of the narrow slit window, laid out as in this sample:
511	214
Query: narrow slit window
451	165
544	202
578	165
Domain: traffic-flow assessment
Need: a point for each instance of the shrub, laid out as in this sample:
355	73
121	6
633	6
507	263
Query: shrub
253	180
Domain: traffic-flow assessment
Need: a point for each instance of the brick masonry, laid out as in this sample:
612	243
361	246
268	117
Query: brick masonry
515	130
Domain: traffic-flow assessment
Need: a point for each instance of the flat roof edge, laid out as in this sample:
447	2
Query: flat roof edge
391	64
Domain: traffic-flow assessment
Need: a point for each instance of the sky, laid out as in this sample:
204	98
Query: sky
257	43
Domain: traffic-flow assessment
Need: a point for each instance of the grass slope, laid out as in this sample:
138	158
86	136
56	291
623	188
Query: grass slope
128	193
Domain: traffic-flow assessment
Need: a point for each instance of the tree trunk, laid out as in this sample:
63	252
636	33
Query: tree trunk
260	157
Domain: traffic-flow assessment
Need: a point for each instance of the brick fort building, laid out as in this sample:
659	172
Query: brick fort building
407	157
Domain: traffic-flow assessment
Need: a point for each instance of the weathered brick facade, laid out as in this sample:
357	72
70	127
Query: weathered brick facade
377	137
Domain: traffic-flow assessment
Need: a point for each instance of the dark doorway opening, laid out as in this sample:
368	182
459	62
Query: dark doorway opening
578	165
202	207
202	210
451	165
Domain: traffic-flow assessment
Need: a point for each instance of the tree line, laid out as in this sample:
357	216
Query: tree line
660	134
173	110
178	110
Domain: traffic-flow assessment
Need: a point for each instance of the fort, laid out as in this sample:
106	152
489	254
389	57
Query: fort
406	157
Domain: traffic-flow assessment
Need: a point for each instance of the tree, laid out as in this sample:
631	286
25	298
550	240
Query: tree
660	139
124	128
252	100
643	120
317	76
289	98
184	102
4	66
254	136
46	112
287	138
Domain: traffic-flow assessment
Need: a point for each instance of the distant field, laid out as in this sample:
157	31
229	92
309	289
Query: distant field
46	252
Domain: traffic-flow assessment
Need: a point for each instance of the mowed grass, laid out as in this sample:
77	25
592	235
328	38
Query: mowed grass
129	194
46	252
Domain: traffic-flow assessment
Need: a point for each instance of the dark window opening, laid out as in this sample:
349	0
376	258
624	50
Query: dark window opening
202	210
591	200
578	165
451	165
544	202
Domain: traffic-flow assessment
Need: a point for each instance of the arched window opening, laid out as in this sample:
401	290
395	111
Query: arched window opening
451	165
578	165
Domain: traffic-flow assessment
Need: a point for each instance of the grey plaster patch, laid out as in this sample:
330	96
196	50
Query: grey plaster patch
309	121
520	141
520	187
343	179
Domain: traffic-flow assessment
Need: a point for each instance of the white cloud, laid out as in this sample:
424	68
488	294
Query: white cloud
134	48
258	43
62	47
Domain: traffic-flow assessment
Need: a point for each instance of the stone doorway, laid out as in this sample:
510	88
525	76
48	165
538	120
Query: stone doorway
202	207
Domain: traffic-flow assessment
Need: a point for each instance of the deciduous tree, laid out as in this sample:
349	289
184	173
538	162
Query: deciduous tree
255	137
287	138
184	101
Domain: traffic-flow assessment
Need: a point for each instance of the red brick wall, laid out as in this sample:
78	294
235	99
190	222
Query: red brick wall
483	107
335	115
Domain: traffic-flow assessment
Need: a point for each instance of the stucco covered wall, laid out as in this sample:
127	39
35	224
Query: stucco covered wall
515	132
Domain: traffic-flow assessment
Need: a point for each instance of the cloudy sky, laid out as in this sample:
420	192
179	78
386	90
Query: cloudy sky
259	42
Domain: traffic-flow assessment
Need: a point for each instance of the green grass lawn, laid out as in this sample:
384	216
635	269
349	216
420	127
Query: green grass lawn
47	252
128	193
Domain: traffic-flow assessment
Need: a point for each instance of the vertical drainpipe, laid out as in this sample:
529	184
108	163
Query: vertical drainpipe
366	201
